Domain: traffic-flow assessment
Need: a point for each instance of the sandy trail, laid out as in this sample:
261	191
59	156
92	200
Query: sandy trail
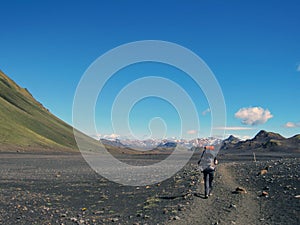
223	207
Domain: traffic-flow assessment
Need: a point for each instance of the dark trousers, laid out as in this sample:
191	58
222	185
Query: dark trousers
208	180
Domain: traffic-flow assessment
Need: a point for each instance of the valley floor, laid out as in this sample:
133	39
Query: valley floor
63	189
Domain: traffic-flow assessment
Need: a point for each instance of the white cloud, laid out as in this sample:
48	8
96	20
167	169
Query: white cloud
192	132
233	128
206	111
253	115
246	137
243	138
292	125
111	136
298	68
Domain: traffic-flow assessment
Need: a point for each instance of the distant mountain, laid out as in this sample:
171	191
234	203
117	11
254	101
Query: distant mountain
114	143
231	140
25	124
264	136
168	144
263	141
160	144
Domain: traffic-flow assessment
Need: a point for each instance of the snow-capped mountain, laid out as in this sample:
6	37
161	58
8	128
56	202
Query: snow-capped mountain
149	144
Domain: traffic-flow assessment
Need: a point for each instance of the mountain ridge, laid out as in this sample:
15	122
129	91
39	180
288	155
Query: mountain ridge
264	141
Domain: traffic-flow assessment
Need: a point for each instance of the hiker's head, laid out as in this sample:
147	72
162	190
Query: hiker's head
210	147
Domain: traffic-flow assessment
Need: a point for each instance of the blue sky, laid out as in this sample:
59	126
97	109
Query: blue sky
252	47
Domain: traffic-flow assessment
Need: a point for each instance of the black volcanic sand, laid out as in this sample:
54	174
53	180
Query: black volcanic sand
63	189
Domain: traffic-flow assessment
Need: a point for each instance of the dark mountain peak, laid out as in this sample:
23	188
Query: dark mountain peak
261	133
229	142
232	138
264	136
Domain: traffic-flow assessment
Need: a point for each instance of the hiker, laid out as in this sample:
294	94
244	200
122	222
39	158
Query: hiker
207	164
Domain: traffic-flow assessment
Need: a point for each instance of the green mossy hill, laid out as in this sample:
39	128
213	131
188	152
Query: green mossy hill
25	124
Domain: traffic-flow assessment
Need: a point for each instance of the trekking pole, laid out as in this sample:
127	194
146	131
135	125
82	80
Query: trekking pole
199	161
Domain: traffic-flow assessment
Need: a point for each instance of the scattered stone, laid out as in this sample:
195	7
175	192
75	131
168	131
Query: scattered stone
58	174
263	171
98	212
180	207
146	217
114	220
232	206
264	194
288	187
73	219
266	188
139	215
297	196
240	190
176	218
165	211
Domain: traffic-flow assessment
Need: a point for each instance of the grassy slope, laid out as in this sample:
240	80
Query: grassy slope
26	124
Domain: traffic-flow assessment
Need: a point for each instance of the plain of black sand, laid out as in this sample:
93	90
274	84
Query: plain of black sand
38	188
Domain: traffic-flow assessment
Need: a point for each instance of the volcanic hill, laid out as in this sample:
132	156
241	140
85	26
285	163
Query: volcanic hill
263	141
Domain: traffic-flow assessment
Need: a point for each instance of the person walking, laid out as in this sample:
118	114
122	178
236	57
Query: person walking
207	164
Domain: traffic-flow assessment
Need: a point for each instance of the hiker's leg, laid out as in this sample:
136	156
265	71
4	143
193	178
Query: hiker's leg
206	183
211	178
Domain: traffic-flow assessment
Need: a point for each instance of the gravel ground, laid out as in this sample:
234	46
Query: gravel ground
271	198
63	189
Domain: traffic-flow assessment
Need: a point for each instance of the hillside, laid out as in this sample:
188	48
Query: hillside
25	124
263	141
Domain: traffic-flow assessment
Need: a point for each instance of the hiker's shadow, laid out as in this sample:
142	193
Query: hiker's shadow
199	195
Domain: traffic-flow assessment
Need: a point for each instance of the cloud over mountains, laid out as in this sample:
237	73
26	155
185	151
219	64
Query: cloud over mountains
253	115
292	125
